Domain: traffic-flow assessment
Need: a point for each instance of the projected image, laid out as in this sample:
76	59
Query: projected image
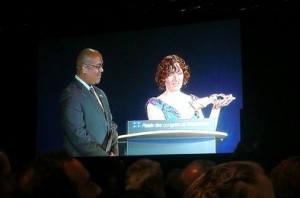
210	90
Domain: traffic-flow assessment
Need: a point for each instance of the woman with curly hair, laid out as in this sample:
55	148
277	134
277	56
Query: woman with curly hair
171	74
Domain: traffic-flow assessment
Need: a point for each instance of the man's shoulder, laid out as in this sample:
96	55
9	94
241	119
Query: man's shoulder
74	85
73	89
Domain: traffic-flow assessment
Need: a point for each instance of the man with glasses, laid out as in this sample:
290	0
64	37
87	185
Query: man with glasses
86	118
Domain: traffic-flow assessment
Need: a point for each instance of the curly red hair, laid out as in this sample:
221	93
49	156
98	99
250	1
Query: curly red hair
167	66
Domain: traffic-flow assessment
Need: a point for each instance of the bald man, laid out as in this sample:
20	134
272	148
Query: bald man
85	113
194	170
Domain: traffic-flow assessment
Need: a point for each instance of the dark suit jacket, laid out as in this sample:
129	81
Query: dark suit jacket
85	125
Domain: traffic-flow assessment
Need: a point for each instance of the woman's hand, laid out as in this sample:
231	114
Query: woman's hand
202	102
222	100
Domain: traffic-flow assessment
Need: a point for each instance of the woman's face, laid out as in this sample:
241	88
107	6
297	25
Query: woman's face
174	81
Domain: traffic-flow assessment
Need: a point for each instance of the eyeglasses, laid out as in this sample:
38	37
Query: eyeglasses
99	66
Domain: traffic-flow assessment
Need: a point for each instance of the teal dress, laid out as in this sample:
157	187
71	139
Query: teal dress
170	112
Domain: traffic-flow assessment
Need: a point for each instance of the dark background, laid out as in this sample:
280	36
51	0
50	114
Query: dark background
270	61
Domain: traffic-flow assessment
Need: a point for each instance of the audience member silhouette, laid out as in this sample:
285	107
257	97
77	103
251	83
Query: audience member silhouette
174	184
114	184
285	178
232	180
56	174
194	170
5	176
144	178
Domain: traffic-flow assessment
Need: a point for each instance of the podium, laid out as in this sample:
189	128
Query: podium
171	142
178	140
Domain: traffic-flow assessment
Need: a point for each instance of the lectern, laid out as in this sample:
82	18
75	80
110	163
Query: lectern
159	137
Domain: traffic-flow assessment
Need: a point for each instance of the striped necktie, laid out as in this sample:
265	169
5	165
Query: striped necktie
96	96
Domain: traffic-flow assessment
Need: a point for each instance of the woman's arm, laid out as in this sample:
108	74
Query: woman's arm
154	113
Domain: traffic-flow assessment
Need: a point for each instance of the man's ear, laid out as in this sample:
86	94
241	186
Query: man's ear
84	69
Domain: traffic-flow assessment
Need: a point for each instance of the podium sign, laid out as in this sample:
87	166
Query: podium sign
155	125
